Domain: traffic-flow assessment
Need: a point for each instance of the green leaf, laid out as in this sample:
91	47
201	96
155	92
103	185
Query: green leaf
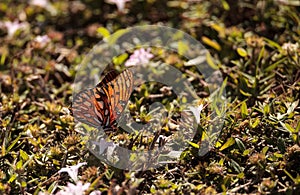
274	65
182	48
261	54
298	127
211	43
223	86
241	175
152	190
225	5
221	162
265	149
24	155
13	143
278	155
133	157
242	52
19	165
266	109
103	31
255	123
118	60
194	145
272	43
240	144
245	93
244	110
114	37
218	144
251	79
228	143
288	127
23	184
246	152
109	174
210	61
2	60
56	162
13	178
236	166
291	177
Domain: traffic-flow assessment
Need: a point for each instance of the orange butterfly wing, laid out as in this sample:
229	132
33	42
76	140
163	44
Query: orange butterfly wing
102	105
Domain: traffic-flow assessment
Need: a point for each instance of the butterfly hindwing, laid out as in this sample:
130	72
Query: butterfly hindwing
83	108
101	106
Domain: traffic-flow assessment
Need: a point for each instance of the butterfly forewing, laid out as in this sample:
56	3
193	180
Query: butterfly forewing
118	92
102	105
110	76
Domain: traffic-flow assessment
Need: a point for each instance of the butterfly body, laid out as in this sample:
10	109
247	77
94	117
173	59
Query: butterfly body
101	106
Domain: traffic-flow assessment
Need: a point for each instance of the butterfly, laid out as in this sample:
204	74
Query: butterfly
102	105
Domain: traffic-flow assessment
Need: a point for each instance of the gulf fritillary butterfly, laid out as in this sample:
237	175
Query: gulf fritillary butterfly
102	105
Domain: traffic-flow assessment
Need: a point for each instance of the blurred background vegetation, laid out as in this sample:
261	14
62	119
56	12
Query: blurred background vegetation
255	44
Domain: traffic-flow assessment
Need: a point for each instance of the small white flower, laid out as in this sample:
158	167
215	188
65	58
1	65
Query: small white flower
72	171
44	4
290	47
40	3
95	192
196	111
139	57
72	189
119	3
42	40
13	27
